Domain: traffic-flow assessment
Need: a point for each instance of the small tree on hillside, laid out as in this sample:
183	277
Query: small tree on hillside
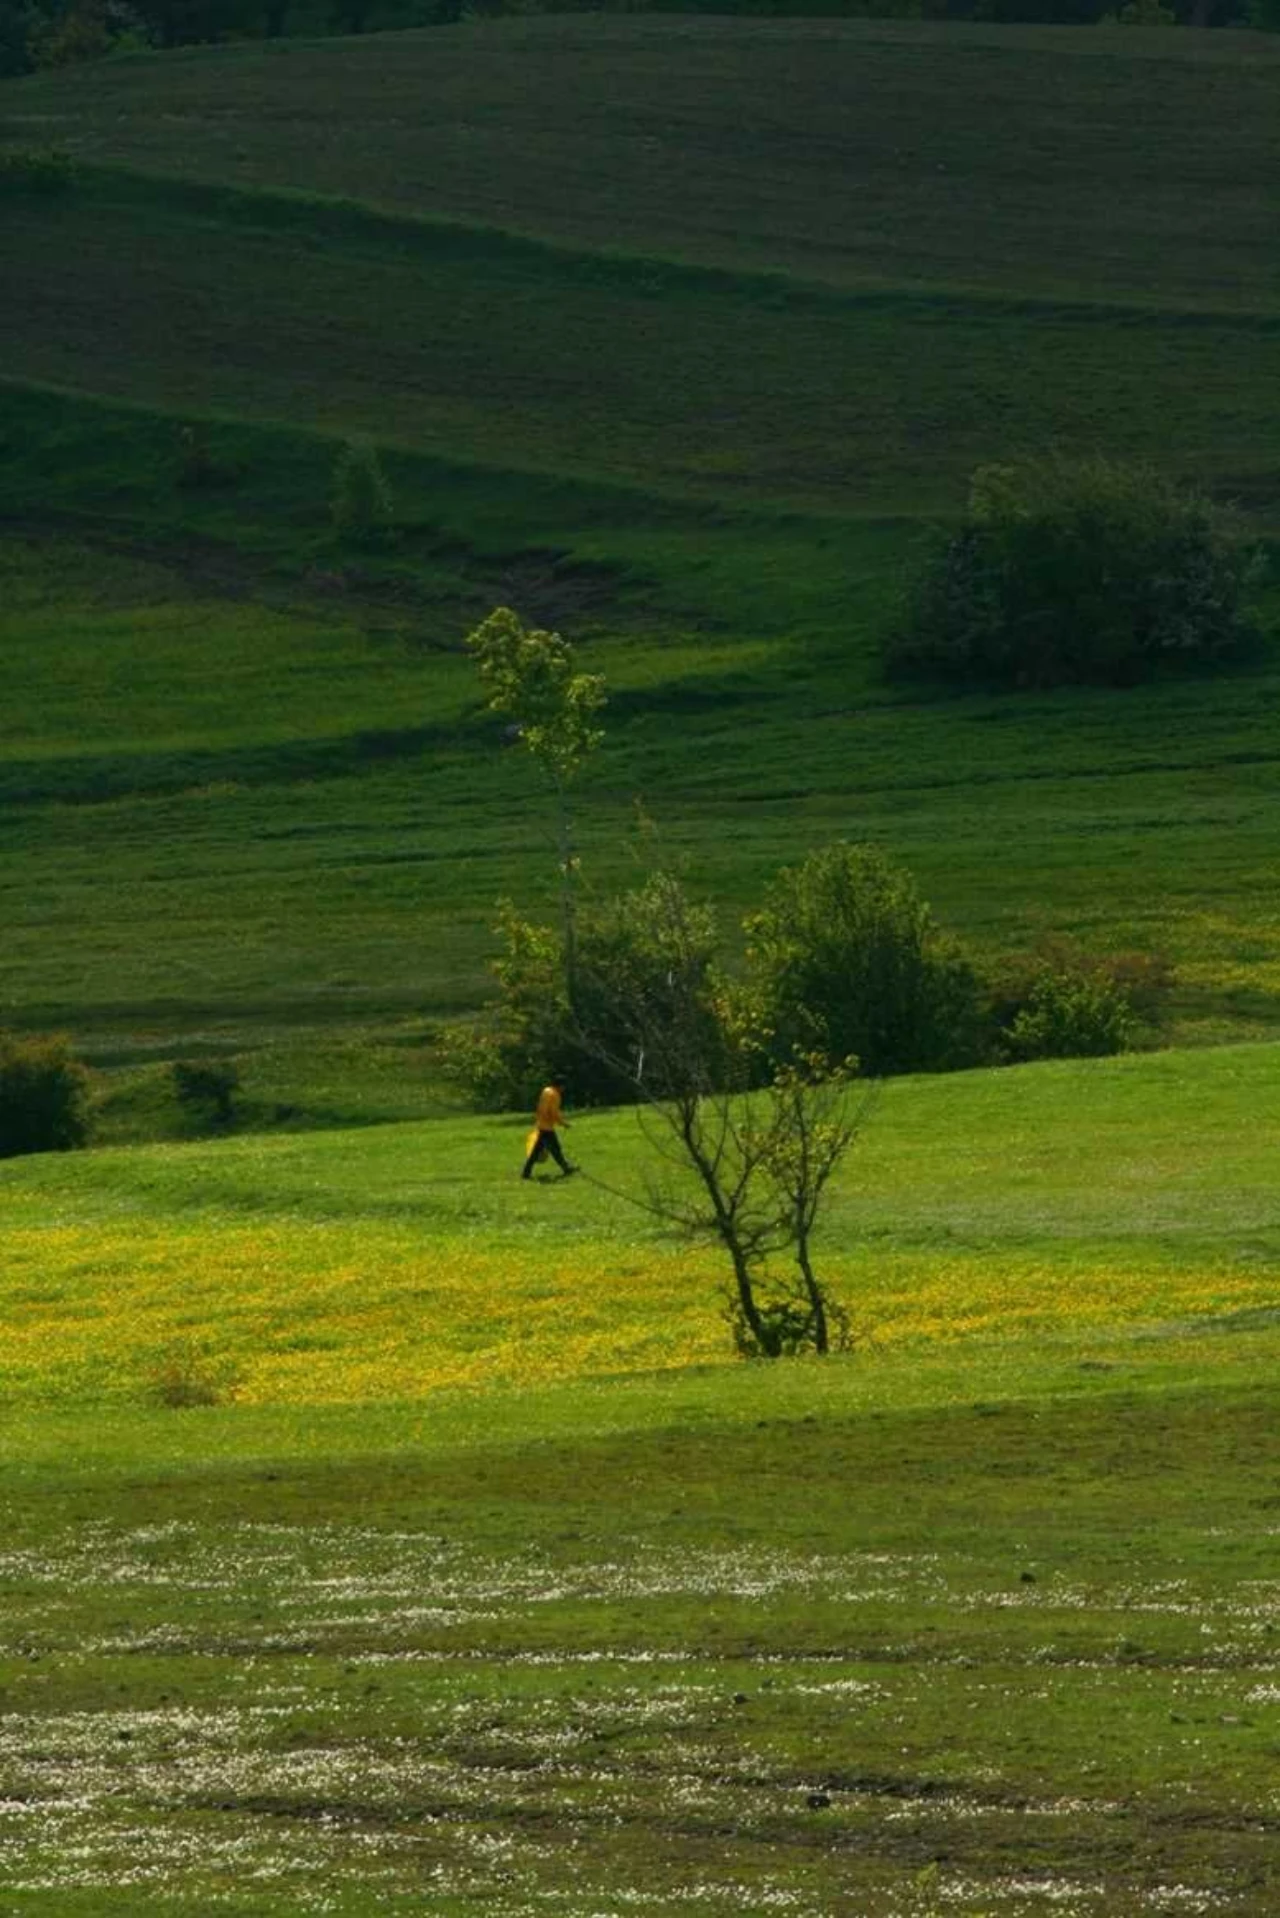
361	505
530	675
810	1124
1082	571
531	1028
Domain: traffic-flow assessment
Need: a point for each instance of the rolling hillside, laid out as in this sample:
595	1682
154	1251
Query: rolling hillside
1041	162
383	1533
673	333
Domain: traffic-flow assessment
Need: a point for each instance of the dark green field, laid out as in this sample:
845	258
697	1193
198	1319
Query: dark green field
673	333
812	275
1043	162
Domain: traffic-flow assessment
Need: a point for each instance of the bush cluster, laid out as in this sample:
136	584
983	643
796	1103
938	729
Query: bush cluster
1059	1001
1079	572
843	959
44	1093
361	506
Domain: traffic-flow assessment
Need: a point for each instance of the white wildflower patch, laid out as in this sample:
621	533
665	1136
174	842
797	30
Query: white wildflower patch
330	1708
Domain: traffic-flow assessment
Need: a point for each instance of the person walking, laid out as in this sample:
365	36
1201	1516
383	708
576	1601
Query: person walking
542	1140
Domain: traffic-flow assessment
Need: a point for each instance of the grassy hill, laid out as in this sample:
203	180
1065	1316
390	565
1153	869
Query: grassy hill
695	415
1073	1200
1044	162
381	1533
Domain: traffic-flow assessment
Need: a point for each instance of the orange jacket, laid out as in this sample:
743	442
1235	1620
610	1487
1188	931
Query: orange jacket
549	1116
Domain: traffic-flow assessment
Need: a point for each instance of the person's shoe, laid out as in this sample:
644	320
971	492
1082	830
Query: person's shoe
568	1171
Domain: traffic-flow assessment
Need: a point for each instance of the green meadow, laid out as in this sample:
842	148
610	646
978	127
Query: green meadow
475	1580
297	816
380	1533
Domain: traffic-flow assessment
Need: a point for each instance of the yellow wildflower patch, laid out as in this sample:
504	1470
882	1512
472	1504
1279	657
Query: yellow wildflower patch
290	1312
293	1317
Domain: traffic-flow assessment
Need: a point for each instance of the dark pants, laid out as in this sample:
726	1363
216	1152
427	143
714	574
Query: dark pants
546	1142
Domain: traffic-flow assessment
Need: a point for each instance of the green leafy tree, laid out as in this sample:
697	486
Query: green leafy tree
21	27
530	676
1146	13
43	1096
623	979
848	961
1080	571
520	1039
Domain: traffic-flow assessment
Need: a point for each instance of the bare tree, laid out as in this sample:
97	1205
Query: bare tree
742	1153
813	1119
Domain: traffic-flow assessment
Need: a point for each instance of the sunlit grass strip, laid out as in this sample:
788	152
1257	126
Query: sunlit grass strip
294	1314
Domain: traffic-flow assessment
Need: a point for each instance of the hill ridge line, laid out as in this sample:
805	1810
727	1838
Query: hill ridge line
331	213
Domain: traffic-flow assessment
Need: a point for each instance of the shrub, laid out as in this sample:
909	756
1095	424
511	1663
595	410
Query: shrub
847	960
206	1089
361	505
1069	1018
183	1376
43	1096
1140	13
199	467
785	1326
1079	571
1060	1001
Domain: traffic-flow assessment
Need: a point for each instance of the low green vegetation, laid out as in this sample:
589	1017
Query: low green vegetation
249	785
915	1641
393	1259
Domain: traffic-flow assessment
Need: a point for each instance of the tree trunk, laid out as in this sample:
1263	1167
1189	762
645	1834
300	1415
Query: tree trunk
568	896
817	1305
726	1228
